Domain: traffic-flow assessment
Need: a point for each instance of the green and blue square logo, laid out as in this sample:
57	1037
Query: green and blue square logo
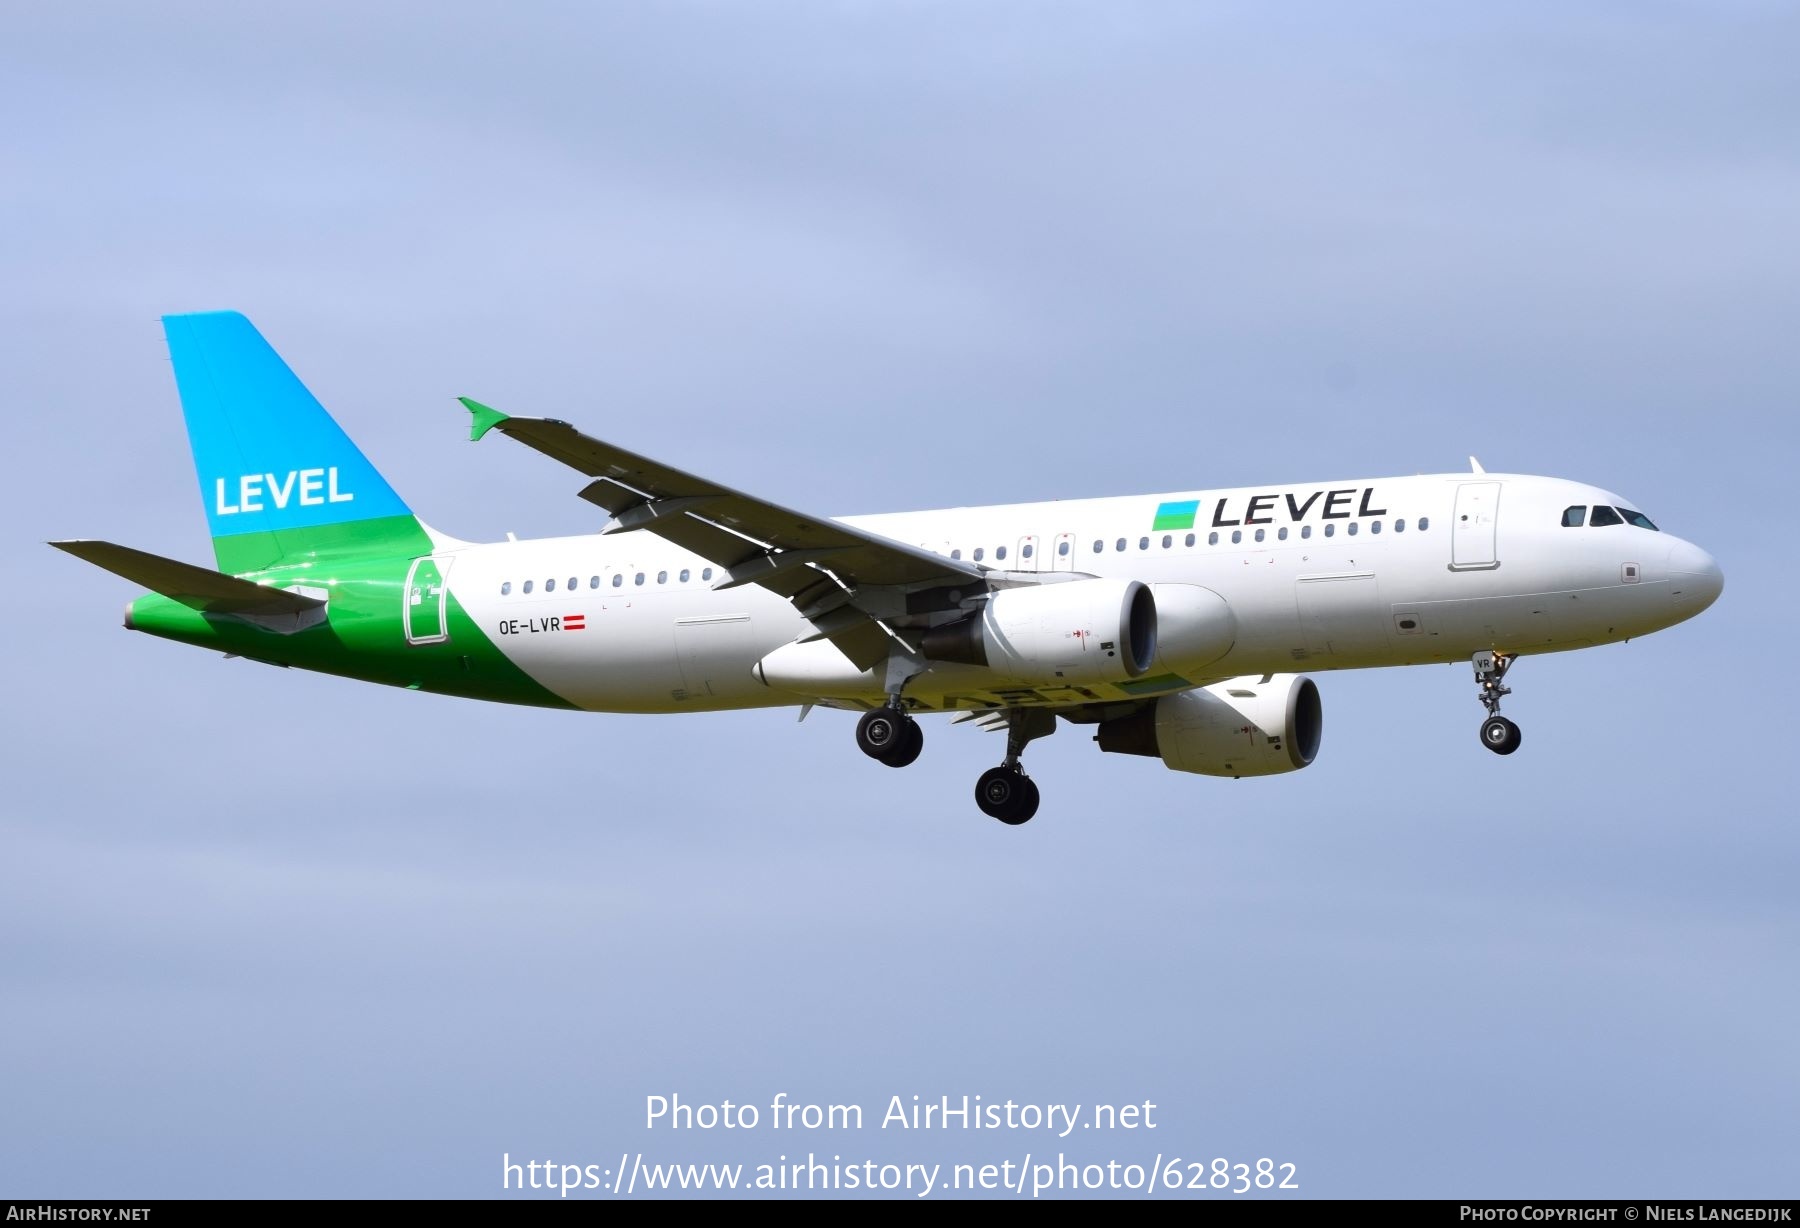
1177	515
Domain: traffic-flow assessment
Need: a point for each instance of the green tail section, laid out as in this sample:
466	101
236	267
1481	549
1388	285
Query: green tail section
322	566
257	552
372	631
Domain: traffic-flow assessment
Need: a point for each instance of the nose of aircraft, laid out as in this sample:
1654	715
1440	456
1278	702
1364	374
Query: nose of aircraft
1695	576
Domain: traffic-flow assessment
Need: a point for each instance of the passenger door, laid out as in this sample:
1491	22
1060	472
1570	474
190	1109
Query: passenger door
1474	528
427	620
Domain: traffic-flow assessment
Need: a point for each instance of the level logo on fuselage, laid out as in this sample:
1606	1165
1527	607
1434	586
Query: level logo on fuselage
1259	509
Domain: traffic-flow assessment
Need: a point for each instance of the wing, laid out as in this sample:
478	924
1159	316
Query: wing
854	587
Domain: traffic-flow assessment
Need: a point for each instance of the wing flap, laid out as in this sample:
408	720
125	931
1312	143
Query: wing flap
866	644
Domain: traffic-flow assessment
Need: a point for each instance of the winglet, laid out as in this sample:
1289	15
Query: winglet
484	419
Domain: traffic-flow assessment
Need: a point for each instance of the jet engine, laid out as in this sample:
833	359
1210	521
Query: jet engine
1194	627
1253	726
1079	632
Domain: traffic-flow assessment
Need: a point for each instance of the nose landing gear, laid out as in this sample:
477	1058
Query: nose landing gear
1497	733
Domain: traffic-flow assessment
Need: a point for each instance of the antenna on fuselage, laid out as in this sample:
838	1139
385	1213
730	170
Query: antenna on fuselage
1475	466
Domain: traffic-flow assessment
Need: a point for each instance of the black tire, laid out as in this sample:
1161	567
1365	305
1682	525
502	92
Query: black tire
1500	735
1002	793
1028	803
912	741
881	732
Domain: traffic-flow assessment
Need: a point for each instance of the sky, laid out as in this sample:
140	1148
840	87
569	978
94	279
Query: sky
270	934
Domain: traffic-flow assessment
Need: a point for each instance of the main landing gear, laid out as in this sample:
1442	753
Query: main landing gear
887	733
890	735
1497	733
1006	792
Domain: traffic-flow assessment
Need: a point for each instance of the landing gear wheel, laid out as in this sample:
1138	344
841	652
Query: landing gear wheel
1028	806
912	741
1007	794
1500	735
881	732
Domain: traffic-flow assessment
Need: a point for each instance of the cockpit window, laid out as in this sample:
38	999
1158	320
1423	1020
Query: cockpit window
1638	518
1575	517
1604	516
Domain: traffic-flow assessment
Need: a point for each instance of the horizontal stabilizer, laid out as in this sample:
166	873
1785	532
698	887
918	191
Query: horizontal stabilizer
198	587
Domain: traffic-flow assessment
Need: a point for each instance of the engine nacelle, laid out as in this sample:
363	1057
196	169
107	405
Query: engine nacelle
1242	727
1079	631
1194	627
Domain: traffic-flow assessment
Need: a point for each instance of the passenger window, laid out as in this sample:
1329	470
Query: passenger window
979	551
1639	519
1351	528
684	575
593	581
999	552
1190	539
706	573
1281	533
506	588
1098	545
1330	530
1259	535
662	577
1212	539
1121	544
1027	551
1062	548
1305	531
1143	543
640	578
1237	535
528	586
1574	517
549	586
956	554
618	579
1168	540
1603	517
1424	523
574	583
1375	526
1400	526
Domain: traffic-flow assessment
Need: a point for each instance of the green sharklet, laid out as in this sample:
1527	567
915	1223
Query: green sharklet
363	637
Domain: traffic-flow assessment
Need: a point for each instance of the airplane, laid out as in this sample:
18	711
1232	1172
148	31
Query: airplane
1168	624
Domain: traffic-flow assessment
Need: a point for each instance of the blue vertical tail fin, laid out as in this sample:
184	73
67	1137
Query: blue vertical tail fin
280	479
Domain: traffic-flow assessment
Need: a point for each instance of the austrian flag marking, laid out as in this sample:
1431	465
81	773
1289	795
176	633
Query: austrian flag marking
574	622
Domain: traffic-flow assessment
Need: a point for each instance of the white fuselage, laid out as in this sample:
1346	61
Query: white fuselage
1390	571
